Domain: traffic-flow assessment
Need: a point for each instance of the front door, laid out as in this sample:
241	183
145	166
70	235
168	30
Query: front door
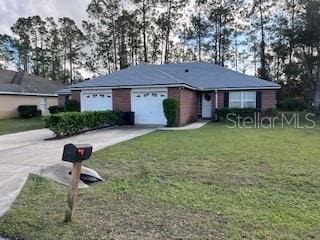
206	106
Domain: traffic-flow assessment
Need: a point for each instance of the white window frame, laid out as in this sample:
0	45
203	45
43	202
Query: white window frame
242	99
233	100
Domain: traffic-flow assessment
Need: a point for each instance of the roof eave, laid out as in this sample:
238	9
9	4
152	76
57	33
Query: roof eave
240	88
131	86
29	94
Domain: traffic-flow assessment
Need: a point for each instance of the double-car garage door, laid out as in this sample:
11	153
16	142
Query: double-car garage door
145	103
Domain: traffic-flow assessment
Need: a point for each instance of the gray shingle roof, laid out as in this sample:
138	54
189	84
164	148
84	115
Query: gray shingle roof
200	75
24	83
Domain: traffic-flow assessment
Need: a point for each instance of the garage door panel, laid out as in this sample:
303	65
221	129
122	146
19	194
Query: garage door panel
148	107
96	101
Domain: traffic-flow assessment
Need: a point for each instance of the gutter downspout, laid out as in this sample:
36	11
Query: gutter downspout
216	104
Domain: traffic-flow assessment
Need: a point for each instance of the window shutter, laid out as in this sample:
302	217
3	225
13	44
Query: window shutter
258	100
226	99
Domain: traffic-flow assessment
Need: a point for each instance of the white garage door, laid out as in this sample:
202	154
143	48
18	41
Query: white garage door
96	101
147	106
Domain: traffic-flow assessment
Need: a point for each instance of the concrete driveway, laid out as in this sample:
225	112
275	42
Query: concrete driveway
28	152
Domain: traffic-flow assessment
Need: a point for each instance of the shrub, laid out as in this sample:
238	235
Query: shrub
271	112
28	111
71	123
291	104
72	106
171	108
56	109
233	113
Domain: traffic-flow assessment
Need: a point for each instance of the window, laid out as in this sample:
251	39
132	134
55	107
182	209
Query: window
43	104
242	100
235	100
249	99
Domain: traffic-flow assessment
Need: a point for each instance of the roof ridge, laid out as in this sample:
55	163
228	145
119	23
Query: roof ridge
165	73
18	77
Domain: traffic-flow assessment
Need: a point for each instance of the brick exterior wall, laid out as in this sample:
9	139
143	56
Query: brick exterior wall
268	99
174	93
121	100
220	99
76	95
62	100
189	101
188	104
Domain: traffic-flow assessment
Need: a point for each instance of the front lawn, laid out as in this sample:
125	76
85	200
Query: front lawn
19	125
211	183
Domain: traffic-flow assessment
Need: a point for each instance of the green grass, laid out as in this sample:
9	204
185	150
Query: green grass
211	183
18	125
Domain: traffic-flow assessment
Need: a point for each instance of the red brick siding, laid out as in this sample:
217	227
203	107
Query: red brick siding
62	100
121	100
221	99
268	99
174	93
188	106
76	95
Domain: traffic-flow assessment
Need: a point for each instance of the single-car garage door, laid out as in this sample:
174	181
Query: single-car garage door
96	100
147	105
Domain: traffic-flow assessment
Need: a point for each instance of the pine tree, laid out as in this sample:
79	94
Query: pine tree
199	27
101	32
261	15
145	8
22	30
221	18
8	53
73	41
174	10
308	51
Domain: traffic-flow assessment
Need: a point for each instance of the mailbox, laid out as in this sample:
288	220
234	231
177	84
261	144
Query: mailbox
76	153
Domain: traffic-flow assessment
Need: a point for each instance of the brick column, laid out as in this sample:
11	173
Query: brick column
121	100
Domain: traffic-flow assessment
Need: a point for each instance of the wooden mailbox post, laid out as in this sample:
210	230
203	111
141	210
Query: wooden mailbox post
75	154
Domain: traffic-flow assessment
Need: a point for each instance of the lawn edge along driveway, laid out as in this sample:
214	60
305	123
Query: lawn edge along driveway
28	152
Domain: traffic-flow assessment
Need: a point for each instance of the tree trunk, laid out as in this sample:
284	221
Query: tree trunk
71	63
166	54
199	33
220	37
263	71
145	49
114	39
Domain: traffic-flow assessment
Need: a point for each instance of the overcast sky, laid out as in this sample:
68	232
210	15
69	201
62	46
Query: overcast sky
11	10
